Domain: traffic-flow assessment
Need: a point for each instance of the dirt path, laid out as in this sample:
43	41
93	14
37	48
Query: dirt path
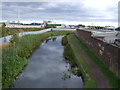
98	75
2	45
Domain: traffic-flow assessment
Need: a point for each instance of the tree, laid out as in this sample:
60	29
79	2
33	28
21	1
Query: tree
3	29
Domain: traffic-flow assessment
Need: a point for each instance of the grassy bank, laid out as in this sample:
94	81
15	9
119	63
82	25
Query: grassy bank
71	53
70	58
114	81
5	31
14	57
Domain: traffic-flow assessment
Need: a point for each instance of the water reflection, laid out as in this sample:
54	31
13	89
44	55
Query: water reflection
54	39
47	68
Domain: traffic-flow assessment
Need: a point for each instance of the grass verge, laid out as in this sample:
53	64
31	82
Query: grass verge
74	56
14	57
5	31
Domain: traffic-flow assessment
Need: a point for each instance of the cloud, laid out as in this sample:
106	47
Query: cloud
78	10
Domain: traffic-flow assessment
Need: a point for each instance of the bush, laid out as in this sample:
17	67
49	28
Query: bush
79	73
69	55
64	41
15	38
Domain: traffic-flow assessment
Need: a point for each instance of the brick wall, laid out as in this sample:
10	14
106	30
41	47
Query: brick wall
108	54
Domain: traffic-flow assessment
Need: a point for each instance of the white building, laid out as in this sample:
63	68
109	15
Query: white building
106	36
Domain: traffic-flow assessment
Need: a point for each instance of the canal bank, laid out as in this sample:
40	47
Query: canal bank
91	66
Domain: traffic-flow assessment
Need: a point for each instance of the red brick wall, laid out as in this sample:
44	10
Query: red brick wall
108	54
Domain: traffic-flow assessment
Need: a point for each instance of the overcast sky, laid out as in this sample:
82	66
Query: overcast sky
100	12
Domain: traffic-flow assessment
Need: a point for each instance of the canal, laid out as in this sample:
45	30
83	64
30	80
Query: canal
47	68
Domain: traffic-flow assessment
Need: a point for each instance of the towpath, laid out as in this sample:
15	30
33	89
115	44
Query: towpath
99	77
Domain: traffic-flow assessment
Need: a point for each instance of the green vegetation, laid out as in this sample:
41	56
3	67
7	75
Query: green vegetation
64	41
114	81
71	53
69	56
79	73
76	71
65	76
15	38
50	25
68	53
14	57
80	25
5	31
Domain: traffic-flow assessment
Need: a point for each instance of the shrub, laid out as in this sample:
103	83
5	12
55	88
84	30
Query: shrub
15	38
64	41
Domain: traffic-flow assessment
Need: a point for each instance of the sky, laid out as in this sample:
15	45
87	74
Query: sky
88	12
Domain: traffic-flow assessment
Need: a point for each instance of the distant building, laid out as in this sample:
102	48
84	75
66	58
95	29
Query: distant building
24	26
109	27
60	25
17	24
72	26
35	23
117	29
108	37
13	22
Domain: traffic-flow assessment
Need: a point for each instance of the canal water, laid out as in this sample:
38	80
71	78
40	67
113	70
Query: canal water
47	68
